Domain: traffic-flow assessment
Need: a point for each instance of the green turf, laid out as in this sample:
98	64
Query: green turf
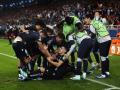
8	76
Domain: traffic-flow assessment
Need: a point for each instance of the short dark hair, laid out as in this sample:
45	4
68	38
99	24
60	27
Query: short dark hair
49	30
79	26
69	20
40	22
91	16
61	35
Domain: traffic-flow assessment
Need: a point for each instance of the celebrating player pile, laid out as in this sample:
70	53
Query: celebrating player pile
50	48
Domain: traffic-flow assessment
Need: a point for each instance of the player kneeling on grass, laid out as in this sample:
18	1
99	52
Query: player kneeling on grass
58	66
84	48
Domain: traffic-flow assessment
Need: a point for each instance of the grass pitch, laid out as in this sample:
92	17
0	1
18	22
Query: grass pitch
9	81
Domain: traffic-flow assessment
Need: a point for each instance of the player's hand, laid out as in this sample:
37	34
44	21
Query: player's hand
22	28
28	59
45	47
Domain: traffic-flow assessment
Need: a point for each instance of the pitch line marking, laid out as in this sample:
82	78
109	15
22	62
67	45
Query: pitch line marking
8	55
112	87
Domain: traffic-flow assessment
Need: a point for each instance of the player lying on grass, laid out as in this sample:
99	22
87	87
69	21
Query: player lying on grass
58	66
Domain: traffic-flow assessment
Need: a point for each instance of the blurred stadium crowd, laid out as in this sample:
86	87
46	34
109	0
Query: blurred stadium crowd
54	12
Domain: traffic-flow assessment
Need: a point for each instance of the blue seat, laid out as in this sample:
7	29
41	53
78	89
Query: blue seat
113	33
